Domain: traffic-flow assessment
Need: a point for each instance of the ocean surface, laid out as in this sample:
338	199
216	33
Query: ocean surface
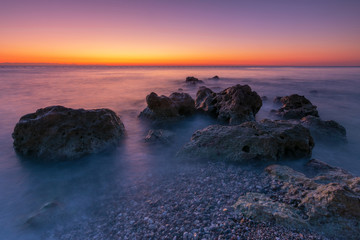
77	187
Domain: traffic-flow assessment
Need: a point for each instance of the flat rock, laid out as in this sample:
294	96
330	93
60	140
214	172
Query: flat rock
262	208
325	131
264	140
57	132
162	108
234	105
295	107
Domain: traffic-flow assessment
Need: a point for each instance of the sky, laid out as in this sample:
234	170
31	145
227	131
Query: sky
181	32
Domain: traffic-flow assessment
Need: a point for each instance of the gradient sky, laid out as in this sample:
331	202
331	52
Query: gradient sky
181	32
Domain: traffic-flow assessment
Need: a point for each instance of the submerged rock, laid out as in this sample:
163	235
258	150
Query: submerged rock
57	132
159	136
168	108
193	80
234	105
329	131
216	77
264	140
295	107
331	206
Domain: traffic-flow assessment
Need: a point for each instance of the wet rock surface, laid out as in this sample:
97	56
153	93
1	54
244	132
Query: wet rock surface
57	132
264	140
295	107
234	105
162	108
195	203
329	131
328	202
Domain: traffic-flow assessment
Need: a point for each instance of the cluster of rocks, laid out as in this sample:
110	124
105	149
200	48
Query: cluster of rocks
300	110
163	108
328	202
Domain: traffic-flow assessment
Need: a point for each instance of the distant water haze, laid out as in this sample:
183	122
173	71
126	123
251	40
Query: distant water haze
25	186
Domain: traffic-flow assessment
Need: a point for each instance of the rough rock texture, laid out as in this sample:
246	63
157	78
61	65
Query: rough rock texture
329	202
168	108
329	131
57	132
260	207
193	80
264	140
234	105
159	136
295	107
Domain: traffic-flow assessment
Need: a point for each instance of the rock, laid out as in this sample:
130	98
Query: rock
216	77
331	206
262	208
332	200
277	100
57	132
329	131
168	108
233	105
295	107
193	80
264	140
159	136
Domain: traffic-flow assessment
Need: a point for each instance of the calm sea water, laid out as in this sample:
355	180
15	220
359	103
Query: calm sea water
76	186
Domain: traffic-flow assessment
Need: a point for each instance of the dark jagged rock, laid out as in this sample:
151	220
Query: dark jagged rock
328	202
216	77
233	105
329	131
159	136
57	132
295	107
193	80
264	140
162	108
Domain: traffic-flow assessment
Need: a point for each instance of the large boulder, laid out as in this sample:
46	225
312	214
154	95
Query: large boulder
264	140
328	202
168	108
295	107
58	132
234	105
325	131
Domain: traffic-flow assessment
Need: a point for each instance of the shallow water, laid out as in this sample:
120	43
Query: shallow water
77	187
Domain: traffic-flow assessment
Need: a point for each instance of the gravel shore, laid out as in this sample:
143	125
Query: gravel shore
192	203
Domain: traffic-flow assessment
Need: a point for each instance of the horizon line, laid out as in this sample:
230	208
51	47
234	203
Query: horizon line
162	65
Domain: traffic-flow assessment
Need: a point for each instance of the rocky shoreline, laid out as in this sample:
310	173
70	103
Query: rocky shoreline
213	200
194	203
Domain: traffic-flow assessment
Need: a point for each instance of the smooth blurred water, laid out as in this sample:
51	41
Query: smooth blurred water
80	185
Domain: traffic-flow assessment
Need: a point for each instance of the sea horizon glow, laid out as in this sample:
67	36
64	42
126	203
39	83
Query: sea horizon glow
181	33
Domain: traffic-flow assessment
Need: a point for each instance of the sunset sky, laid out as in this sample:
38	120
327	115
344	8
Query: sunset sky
174	32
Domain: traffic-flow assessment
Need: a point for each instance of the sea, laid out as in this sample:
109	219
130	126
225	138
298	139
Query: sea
28	188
